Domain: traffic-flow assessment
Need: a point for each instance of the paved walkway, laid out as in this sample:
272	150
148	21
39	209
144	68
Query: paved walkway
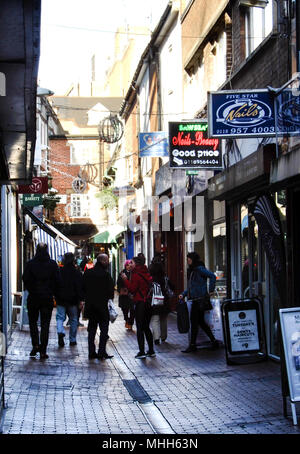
172	393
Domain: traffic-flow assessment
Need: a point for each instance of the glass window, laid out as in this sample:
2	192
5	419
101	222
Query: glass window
258	25
80	205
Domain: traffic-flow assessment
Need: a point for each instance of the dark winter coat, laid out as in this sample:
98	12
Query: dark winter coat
139	284
41	278
98	287
197	283
125	298
71	290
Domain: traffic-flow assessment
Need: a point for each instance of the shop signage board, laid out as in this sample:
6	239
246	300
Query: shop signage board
290	330
190	146
244	333
39	185
253	113
31	200
153	144
241	113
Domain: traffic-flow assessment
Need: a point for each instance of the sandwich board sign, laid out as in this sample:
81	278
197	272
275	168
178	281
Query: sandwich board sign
290	329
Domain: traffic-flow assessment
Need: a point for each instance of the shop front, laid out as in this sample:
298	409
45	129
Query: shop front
250	271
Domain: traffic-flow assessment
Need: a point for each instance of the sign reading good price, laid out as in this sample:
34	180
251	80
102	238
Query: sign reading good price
191	147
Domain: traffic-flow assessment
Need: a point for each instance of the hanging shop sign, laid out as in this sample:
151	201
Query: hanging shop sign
290	330
190	146
153	144
238	113
32	200
244	333
39	185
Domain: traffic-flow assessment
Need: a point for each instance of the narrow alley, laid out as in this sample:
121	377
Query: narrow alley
172	393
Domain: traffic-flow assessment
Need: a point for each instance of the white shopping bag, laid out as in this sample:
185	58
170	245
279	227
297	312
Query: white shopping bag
113	314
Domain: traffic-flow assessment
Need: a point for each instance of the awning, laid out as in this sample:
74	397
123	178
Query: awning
108	236
58	244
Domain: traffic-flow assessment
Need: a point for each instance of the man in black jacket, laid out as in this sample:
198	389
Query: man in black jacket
98	289
41	279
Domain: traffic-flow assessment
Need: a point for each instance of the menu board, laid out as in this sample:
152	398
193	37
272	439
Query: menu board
243	330
290	328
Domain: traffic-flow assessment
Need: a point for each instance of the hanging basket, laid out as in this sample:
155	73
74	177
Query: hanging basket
110	129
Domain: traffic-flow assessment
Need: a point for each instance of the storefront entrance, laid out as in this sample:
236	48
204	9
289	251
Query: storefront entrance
250	271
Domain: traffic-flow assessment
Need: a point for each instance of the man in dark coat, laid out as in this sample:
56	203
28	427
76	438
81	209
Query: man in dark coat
98	287
41	279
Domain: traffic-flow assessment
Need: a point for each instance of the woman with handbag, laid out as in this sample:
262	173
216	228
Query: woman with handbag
197	293
139	286
125	298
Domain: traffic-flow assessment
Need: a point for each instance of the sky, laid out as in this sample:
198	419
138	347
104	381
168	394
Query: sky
71	31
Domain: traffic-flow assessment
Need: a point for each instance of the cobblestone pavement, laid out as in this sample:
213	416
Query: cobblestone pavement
195	393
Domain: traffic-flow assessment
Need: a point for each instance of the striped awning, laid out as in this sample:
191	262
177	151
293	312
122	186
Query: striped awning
58	244
57	247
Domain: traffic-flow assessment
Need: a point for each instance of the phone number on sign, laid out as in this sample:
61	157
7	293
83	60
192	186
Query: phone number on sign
247	130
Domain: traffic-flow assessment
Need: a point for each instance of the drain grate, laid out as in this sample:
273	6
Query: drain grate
136	391
41	386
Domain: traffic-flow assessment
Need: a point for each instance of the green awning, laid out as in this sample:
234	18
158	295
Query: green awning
108	236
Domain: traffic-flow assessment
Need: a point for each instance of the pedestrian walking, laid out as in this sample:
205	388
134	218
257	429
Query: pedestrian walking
125	298
197	292
139	286
69	299
159	319
98	287
41	279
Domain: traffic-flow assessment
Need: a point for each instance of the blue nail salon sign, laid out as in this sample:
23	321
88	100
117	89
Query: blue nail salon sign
153	144
237	113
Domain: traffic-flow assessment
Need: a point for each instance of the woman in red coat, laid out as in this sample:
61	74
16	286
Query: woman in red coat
139	286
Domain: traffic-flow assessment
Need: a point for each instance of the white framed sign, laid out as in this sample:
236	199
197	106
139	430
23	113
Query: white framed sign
290	329
243	330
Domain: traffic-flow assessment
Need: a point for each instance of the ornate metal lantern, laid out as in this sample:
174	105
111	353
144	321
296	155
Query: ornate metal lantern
110	129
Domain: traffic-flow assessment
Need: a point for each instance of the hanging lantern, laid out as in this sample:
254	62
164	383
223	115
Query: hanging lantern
110	129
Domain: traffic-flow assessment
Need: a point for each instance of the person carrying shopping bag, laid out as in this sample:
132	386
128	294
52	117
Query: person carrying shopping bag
139	286
125	298
198	294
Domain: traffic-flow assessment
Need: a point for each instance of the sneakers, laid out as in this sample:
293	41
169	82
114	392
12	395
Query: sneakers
150	354
72	344
34	351
61	342
190	349
140	355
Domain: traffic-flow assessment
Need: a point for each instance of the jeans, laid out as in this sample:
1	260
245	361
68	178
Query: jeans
35	308
92	329
142	320
72	312
197	318
159	326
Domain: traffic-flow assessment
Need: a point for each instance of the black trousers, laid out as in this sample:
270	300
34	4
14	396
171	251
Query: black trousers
197	318
35	308
92	329
142	320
